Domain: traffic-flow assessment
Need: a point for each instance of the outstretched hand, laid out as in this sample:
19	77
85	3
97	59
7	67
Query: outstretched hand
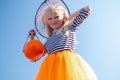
88	8
71	17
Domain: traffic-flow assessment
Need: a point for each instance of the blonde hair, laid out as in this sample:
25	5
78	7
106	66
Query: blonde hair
61	10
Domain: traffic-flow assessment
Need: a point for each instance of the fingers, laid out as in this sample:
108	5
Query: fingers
88	8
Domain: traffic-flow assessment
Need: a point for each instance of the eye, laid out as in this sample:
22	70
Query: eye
56	17
49	18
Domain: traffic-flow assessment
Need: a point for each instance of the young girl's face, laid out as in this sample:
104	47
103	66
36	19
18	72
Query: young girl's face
54	19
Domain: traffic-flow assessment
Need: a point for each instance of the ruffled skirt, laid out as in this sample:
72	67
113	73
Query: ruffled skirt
65	65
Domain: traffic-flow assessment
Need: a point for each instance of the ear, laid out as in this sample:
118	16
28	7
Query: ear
65	19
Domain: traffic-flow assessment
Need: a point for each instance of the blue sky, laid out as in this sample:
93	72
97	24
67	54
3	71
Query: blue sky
98	37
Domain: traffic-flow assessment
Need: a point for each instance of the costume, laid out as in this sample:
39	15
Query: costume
62	63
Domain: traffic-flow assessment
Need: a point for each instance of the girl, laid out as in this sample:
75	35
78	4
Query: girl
62	63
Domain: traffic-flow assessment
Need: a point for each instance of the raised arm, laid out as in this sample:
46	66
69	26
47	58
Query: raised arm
72	16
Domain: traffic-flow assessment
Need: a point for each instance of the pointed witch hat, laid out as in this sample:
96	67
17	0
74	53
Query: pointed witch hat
40	18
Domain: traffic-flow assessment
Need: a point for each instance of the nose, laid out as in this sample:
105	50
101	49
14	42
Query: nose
53	21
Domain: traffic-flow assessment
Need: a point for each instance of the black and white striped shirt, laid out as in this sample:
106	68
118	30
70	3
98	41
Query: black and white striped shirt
65	39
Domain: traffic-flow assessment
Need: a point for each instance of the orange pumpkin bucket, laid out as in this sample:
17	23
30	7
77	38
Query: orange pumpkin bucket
33	49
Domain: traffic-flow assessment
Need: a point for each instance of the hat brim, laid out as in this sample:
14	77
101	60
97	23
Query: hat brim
40	18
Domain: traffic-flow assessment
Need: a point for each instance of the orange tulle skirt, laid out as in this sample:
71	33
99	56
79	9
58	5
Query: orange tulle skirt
65	65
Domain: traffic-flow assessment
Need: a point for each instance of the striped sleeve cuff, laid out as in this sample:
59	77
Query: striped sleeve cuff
81	17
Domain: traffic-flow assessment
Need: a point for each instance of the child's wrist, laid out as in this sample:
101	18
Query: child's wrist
88	8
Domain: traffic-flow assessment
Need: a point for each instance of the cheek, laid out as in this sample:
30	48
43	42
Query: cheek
48	22
60	19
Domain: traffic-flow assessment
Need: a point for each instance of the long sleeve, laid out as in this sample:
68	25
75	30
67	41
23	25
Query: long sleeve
79	19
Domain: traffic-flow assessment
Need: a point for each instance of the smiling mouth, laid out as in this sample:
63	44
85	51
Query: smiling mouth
55	24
